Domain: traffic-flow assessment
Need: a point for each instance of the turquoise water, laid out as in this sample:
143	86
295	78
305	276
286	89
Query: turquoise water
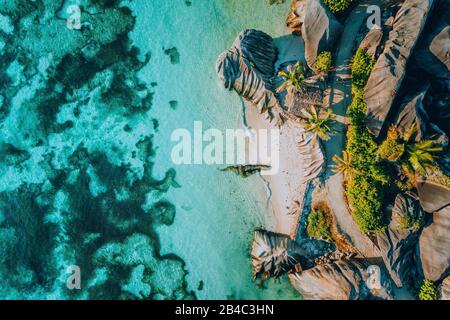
216	212
86	179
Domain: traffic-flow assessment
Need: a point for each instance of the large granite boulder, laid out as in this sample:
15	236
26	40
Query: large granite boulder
340	280
433	197
248	68
434	246
275	254
389	70
412	112
319	27
433	51
398	243
444	290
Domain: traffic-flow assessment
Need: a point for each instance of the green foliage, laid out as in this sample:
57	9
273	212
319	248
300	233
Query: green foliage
293	78
391	150
427	291
343	165
408	222
319	226
361	68
366	189
412	156
324	62
366	199
319	124
337	6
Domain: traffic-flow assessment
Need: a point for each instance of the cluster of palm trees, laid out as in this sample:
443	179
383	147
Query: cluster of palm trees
413	157
314	119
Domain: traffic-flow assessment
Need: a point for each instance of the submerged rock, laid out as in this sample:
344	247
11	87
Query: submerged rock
389	71
340	280
398	243
248	68
319	27
276	254
434	245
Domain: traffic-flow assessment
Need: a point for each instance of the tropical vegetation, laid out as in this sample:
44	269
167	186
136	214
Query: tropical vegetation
319	226
369	181
293	79
323	63
321	125
338	6
427	291
414	157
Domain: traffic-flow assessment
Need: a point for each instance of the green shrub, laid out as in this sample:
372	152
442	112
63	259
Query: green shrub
391	150
337	6
366	202
367	189
427	291
318	226
324	62
361	68
407	222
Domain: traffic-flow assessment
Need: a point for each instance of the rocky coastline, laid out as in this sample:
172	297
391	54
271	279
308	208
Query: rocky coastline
403	102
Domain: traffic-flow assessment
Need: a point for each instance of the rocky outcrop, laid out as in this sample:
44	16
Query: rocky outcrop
340	280
248	68
444	290
433	197
318	26
372	41
398	243
275	254
433	51
434	245
389	71
311	156
412	112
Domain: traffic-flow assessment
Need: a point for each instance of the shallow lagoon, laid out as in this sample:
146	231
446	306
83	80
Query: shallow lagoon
216	212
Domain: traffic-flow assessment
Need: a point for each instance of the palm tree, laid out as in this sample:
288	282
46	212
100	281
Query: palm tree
293	79
414	157
419	156
343	165
320	125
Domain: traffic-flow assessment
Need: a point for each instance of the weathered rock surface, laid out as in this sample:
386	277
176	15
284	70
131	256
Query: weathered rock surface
434	245
433	51
372	41
340	280
319	27
248	68
397	244
444	290
275	254
389	71
433	197
412	112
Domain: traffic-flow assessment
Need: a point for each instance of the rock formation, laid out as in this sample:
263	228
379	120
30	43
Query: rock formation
444	289
434	246
389	71
340	280
433	51
318	26
248	68
275	254
398	243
